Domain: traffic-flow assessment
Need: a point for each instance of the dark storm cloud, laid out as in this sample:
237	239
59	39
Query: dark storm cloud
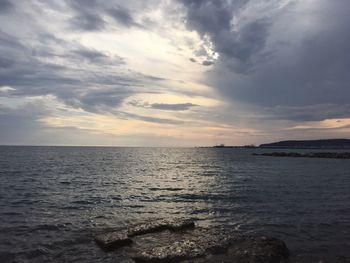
172	107
87	15
204	63
207	63
90	54
316	112
163	106
122	16
6	63
245	42
214	18
208	16
88	22
311	72
90	15
5	6
128	115
94	56
272	60
9	42
103	101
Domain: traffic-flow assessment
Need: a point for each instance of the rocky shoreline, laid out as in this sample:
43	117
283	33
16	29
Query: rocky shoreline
181	241
332	155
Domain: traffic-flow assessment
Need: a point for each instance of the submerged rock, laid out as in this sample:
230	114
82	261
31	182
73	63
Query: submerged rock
159	225
178	241
113	240
122	237
258	249
204	246
176	247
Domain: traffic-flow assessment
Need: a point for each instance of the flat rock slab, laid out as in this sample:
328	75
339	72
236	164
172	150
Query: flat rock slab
113	240
123	236
170	246
158	226
204	246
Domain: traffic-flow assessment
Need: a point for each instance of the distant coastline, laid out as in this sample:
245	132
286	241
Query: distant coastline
335	144
310	144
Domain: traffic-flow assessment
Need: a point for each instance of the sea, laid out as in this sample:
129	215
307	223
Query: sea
53	200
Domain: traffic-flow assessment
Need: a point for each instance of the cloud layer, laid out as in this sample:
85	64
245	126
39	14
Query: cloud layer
244	71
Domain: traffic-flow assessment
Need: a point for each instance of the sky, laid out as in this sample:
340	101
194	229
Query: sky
173	72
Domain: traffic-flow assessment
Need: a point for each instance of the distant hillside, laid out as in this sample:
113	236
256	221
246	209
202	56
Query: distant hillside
310	144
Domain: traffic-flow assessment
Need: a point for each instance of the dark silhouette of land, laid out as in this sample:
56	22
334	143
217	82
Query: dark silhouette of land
297	144
310	144
330	144
332	155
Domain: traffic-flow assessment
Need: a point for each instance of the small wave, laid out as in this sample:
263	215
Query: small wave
171	189
26	256
135	206
65	182
210	166
278	225
83	202
45	227
209	197
37	252
72	208
11	213
209	173
24	202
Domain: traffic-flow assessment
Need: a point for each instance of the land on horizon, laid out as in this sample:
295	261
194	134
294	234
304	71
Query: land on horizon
299	144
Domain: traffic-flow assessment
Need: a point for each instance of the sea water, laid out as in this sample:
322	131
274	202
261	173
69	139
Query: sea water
54	199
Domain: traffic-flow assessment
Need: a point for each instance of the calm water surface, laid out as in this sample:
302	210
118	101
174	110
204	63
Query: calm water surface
54	199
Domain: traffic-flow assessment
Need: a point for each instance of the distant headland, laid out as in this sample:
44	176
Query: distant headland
298	144
310	144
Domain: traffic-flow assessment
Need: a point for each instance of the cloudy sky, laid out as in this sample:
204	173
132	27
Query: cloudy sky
173	72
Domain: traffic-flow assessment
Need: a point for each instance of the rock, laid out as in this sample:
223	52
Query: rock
159	225
178	241
259	249
168	246
122	237
204	246
113	240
